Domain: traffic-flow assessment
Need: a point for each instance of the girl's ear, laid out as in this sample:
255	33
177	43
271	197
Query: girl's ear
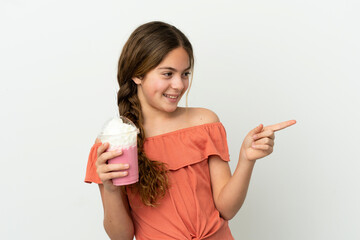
137	80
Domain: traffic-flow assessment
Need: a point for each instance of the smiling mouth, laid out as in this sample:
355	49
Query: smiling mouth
171	96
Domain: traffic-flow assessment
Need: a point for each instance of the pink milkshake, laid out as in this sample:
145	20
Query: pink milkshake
121	133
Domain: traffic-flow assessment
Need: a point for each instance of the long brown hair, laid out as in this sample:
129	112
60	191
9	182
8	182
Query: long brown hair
146	47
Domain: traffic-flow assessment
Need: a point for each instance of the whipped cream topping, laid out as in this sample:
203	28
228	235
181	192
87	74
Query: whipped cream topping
119	134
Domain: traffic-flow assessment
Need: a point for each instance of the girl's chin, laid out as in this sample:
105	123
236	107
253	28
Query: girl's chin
170	109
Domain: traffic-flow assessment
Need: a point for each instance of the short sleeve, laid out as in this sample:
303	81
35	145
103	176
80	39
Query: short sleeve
216	142
91	175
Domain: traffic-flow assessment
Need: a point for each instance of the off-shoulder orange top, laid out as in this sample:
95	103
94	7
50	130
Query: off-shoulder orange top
187	211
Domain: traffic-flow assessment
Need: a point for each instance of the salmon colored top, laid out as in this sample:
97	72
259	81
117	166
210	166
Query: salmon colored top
187	211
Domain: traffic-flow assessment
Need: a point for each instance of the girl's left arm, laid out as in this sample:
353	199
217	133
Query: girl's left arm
229	192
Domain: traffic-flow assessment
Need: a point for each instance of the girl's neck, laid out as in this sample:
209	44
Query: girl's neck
151	117
159	123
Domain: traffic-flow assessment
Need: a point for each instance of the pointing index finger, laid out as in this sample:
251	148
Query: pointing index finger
280	126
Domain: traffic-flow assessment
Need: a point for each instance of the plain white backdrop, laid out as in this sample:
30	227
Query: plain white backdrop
256	62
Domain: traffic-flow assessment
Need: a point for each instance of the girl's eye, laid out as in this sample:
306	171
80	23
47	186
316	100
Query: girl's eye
187	74
170	74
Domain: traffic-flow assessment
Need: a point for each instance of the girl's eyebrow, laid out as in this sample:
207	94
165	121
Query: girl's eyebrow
172	69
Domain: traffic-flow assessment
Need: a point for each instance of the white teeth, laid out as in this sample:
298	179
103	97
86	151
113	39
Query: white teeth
172	97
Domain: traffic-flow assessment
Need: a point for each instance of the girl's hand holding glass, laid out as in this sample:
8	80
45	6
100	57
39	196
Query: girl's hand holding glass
106	171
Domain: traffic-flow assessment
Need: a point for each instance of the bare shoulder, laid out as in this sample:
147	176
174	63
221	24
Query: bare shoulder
198	116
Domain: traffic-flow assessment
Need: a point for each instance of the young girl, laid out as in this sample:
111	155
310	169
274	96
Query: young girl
185	188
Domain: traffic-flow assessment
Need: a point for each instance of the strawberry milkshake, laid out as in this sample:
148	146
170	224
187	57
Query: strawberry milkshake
121	134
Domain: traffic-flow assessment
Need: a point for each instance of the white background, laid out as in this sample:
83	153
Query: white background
256	62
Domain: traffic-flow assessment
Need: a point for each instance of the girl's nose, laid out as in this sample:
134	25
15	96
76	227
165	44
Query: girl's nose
177	83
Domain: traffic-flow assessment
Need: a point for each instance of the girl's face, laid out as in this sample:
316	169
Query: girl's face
162	88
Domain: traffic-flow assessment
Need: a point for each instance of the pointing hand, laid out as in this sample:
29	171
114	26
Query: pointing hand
260	141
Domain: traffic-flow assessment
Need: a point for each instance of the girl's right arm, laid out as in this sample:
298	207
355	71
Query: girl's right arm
118	223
